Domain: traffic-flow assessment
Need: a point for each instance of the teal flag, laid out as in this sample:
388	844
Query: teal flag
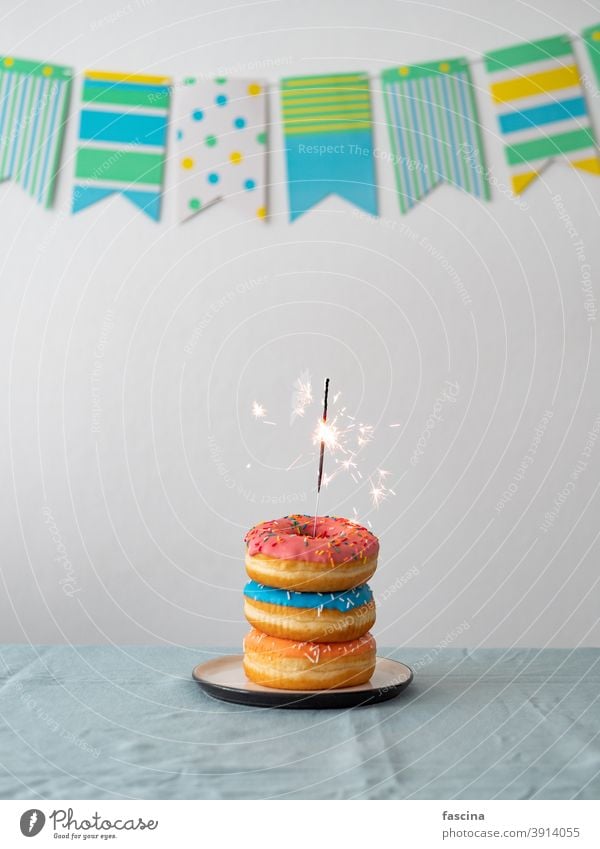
328	140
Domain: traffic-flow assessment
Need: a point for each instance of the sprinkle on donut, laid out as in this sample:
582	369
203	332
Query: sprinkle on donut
337	540
340	601
256	641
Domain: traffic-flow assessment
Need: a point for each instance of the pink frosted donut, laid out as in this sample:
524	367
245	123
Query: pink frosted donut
285	553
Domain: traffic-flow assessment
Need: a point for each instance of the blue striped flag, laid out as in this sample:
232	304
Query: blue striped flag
434	129
34	99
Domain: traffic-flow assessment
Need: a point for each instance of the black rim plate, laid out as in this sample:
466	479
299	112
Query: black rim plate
224	678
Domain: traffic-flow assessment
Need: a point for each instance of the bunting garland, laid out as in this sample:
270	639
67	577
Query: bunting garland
220	130
122	139
34	98
329	141
221	137
434	129
541	108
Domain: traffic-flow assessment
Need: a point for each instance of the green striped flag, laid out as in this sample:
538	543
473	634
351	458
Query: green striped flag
34	98
122	139
541	109
434	129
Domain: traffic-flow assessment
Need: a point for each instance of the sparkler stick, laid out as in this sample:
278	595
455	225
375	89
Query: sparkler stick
321	454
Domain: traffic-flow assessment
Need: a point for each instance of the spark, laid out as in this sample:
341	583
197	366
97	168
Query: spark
327	433
343	435
365	434
378	489
293	463
302	396
377	494
258	411
349	463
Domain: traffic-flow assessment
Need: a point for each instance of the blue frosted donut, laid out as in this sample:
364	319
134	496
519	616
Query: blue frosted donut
317	617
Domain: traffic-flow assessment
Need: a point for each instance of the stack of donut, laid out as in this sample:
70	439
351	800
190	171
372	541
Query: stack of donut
309	604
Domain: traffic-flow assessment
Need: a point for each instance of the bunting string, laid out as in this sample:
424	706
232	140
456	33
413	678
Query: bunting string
219	130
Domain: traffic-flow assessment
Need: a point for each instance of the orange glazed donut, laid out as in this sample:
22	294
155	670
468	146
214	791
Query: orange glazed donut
284	553
289	665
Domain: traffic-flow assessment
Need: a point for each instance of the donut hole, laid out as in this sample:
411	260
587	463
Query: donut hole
327	527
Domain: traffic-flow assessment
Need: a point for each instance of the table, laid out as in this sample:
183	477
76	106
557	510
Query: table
128	722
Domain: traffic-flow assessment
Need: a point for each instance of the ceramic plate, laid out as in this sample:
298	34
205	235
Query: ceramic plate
224	678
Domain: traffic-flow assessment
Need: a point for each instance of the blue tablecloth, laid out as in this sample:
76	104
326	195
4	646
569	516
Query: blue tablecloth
128	722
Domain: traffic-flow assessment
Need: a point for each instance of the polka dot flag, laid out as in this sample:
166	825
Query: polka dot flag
220	131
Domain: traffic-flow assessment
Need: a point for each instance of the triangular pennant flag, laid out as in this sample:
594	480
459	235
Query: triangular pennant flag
434	129
221	143
122	139
34	99
542	112
591	38
329	140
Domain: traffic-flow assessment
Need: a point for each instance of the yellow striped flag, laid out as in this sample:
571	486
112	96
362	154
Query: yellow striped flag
542	113
328	140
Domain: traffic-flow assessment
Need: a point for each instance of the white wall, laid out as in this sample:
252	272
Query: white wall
146	512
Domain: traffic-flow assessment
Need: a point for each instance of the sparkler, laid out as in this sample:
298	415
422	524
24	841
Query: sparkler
342	434
327	436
